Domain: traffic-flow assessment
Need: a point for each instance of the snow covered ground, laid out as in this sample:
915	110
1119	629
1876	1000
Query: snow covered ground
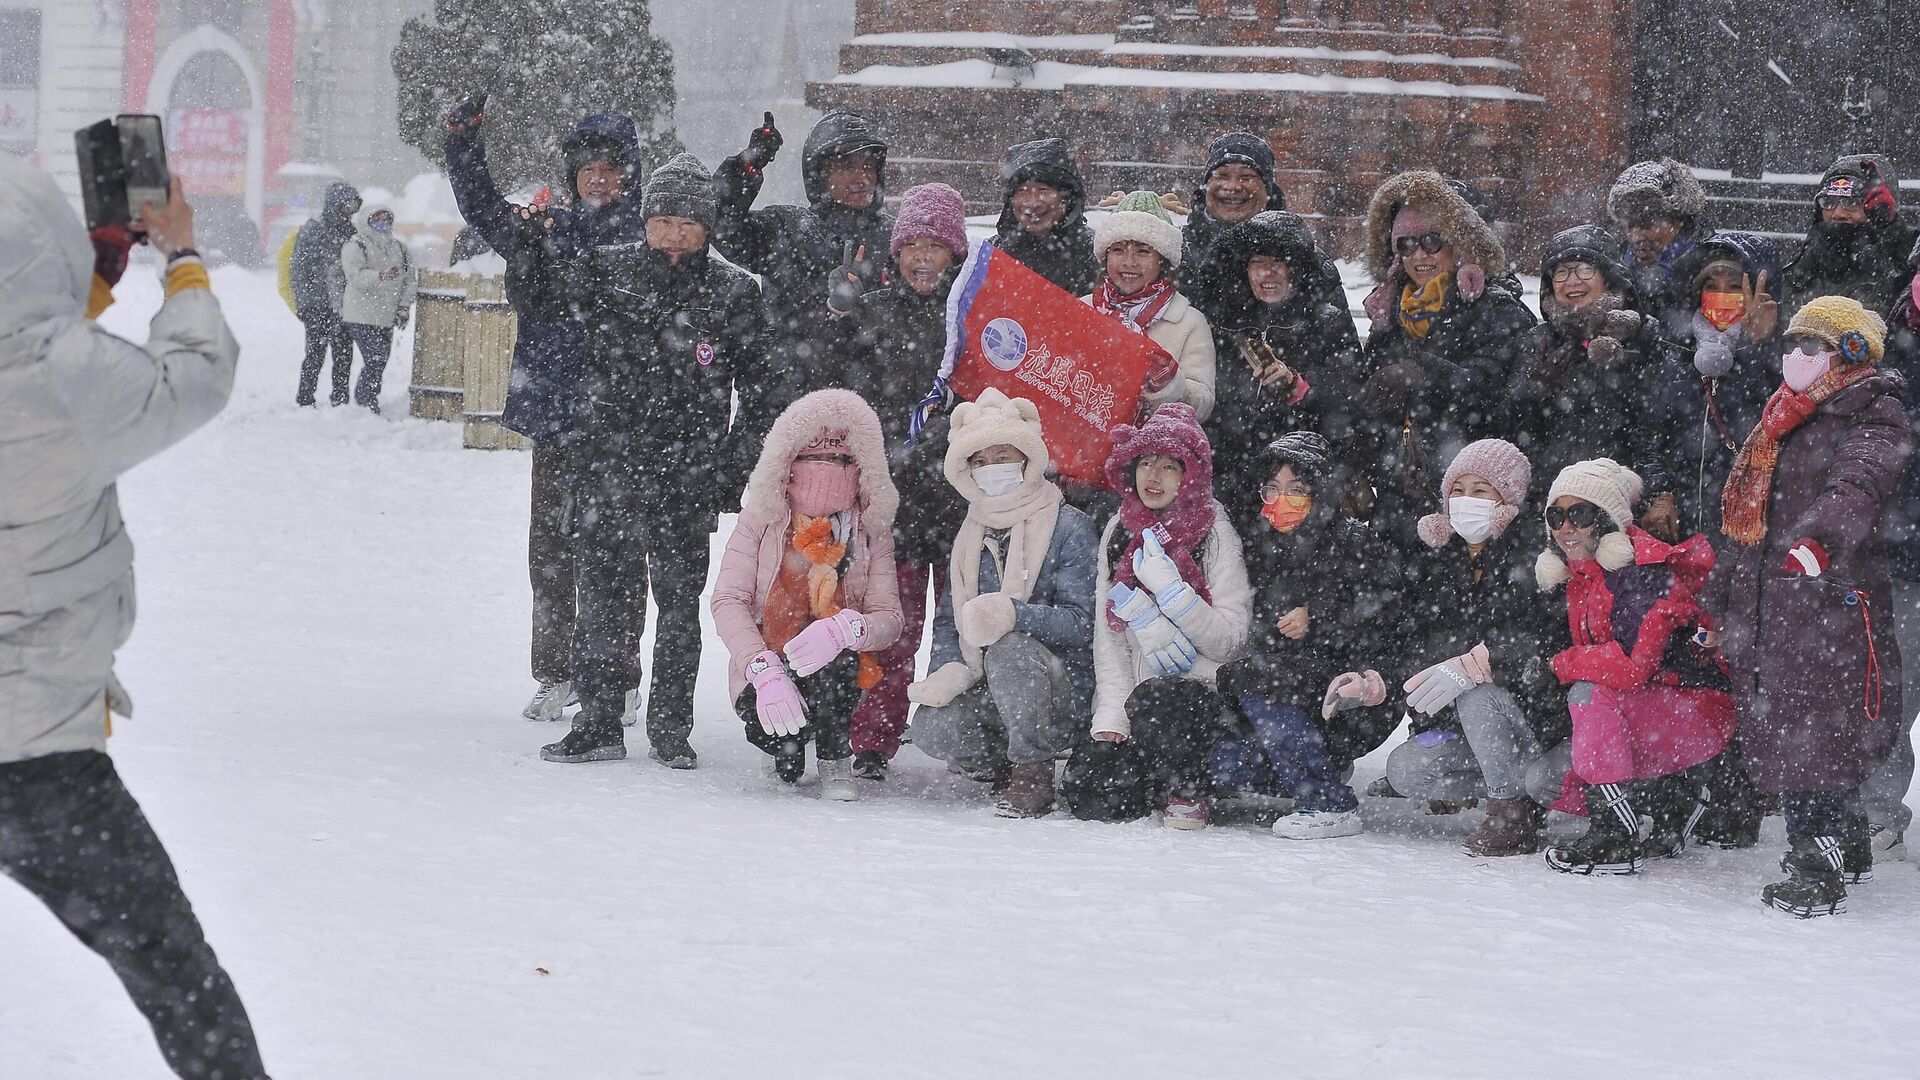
329	667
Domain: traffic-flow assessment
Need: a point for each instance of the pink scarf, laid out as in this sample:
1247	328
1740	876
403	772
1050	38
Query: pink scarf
1138	310
1185	525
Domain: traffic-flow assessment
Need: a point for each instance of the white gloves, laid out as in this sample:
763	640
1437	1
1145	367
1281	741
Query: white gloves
986	619
1437	687
942	686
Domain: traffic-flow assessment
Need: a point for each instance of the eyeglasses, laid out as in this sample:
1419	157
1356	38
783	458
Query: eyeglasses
1270	491
1835	202
1582	515
1575	272
1431	243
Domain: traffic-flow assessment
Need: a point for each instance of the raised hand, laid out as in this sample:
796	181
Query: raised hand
762	143
1762	311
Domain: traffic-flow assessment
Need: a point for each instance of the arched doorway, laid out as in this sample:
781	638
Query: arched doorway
207	88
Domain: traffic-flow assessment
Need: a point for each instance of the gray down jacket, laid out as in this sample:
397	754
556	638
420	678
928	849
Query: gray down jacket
78	407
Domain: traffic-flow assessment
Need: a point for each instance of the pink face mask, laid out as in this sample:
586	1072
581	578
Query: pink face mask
818	488
1799	369
1915	290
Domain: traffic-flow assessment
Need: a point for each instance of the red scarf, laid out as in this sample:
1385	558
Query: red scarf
1743	502
1138	310
1185	526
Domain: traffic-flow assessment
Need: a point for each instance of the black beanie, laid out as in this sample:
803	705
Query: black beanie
1241	148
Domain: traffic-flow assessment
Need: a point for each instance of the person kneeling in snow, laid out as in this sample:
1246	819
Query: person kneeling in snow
84	406
1011	672
807	595
1176	607
1325	587
1648	699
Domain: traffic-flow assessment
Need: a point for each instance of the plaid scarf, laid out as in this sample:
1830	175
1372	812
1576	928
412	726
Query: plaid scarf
1419	306
1138	310
1743	502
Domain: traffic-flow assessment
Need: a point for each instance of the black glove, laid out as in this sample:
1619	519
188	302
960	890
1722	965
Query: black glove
844	282
468	115
762	144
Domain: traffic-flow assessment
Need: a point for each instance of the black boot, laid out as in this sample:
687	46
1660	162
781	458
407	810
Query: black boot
1614	840
1675	804
587	742
1815	885
674	752
870	765
1732	817
790	761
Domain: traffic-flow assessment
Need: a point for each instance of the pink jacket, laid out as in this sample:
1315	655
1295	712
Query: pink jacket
760	537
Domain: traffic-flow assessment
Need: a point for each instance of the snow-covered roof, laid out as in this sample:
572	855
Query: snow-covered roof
982	39
1301	52
1054	75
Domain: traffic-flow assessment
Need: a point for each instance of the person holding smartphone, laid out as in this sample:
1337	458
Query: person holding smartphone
70	831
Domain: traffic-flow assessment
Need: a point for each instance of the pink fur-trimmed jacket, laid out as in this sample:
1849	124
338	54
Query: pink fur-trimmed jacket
760	538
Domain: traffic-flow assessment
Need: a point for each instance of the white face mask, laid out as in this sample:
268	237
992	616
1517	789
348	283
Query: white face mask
1472	518
1799	368
999	479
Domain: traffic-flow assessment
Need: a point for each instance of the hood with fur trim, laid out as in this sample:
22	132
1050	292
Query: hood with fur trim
847	415
1472	239
989	420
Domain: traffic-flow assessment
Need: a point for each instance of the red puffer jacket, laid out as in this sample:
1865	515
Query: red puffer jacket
1625	621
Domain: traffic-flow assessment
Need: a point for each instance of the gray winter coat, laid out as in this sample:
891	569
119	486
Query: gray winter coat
78	407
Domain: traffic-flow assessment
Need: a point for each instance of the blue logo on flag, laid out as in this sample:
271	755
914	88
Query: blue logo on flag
1005	343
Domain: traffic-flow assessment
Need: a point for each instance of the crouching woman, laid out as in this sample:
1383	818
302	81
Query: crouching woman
1012	672
807	592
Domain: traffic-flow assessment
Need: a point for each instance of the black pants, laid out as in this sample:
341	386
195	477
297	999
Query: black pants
376	348
71	833
1176	721
325	331
550	562
629	535
831	694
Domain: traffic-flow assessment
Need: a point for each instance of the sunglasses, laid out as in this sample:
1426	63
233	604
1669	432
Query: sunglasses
1574	272
1834	202
1582	515
1806	343
1431	243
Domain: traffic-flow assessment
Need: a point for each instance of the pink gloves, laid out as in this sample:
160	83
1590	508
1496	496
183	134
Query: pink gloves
824	639
776	700
1353	690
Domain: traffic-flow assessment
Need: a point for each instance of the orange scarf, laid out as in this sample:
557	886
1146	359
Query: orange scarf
792	603
1419	306
1743	502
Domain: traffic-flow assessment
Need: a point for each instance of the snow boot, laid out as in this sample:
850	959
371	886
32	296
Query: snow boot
870	765
1186	813
1856	859
674	753
1674	806
550	702
1318	824
1513	827
1029	791
790	761
994	775
836	780
1815	884
1382	789
1735	808
585	743
1615	836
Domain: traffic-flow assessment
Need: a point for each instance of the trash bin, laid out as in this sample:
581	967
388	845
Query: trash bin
487	334
438	386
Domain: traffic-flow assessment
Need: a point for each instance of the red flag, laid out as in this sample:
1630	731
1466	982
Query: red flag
1010	328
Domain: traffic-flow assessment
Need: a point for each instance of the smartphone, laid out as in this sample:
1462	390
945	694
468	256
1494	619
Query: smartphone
123	165
143	151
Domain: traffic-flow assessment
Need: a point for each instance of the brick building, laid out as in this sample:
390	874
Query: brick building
1532	100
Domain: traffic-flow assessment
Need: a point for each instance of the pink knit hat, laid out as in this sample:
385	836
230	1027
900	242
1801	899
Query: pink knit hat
1174	430
931	211
1499	463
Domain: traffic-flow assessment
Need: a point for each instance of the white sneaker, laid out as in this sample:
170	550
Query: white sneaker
836	781
1889	845
632	714
550	701
1318	824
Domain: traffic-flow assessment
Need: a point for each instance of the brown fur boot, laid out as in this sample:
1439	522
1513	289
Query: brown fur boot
1029	791
1513	827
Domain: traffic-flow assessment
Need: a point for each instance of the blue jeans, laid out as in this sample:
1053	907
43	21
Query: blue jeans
1286	752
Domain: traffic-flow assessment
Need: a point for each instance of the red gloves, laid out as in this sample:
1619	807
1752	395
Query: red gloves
1161	368
110	246
1879	202
468	115
1807	557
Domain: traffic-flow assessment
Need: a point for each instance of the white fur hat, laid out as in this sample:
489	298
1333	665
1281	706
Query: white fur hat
989	420
1156	230
1613	488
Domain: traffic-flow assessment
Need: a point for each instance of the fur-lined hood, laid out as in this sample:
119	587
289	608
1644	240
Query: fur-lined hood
839	411
1472	239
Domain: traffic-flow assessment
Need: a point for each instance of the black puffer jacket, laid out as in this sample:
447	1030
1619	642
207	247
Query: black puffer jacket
1310	331
1453	600
1866	261
1064	254
1571	402
668	347
888	351
794	248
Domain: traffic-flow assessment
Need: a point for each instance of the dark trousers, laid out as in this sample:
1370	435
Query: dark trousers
325	331
72	834
1175	723
628	536
376	347
831	694
1822	813
550	562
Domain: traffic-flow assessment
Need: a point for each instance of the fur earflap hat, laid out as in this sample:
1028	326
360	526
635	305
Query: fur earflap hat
1652	188
1139	217
990	420
1499	463
1452	216
1612	487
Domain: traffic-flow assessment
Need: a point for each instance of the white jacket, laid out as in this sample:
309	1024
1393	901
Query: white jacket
1218	629
78	407
1183	332
381	284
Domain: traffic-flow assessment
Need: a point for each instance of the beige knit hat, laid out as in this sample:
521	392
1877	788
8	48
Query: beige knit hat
1841	322
1613	488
